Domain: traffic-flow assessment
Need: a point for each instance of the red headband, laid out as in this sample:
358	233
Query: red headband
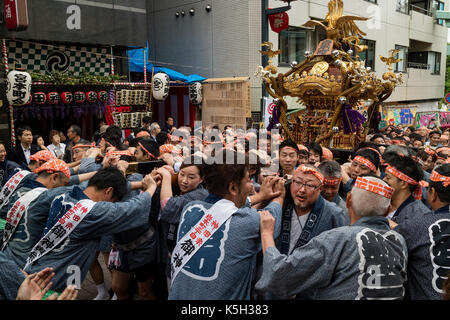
92	145
313	171
442	149
366	162
332	181
148	152
287	147
400	175
120	153
375	187
429	151
437	177
374	150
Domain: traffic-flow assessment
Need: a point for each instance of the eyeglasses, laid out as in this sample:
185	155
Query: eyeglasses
308	186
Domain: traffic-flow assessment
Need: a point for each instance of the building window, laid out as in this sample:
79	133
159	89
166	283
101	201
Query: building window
373	1
402	6
421	6
369	54
439	5
403	54
434	60
293	42
418	60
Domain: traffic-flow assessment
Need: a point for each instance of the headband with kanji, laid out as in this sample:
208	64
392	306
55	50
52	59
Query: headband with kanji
417	194
366	162
313	171
332	181
374	186
43	155
54	165
437	177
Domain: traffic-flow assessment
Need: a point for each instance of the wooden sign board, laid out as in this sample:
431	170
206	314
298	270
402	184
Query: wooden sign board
226	101
324	48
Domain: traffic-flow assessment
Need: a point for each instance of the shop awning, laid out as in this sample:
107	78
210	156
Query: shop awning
136	64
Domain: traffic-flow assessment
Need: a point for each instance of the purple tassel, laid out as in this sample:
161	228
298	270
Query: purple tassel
275	119
351	119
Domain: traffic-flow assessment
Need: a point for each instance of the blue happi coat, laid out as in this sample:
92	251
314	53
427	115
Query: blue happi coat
78	250
364	261
224	267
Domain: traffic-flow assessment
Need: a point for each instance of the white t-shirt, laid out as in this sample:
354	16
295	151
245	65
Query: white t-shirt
296	228
57	150
391	214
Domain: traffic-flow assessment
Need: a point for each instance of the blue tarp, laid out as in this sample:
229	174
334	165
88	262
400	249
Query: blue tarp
136	64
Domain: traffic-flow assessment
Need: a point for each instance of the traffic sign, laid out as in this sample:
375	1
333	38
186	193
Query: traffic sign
447	98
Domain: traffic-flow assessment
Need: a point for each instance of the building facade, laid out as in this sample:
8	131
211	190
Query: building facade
69	36
217	38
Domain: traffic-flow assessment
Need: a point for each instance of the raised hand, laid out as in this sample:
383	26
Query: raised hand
69	293
35	285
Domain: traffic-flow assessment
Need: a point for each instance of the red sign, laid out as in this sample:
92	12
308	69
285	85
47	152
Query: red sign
16	14
279	22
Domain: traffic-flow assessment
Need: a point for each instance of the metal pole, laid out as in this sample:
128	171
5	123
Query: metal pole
264	38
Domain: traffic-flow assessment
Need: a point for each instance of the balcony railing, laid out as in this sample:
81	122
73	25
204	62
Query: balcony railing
416	65
420	10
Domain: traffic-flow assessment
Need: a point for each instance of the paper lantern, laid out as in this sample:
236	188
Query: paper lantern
195	93
91	96
18	89
102	96
160	86
79	97
53	97
39	98
67	97
279	21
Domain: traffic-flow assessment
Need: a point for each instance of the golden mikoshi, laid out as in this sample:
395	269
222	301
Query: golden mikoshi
331	83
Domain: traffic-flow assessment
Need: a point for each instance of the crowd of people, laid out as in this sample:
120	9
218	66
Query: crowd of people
216	218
